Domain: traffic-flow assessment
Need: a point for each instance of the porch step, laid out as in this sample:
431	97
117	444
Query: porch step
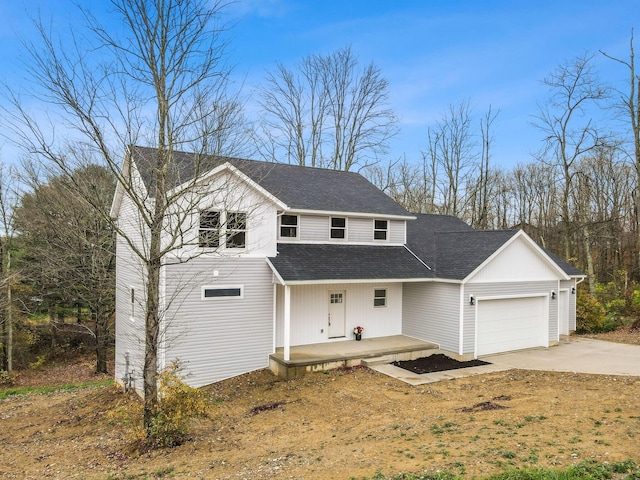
398	357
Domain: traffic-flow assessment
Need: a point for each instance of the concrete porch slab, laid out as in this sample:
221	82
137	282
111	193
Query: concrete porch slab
346	353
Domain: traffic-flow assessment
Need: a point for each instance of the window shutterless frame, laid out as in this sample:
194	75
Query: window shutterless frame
213	292
338	228
289	226
379	297
380	229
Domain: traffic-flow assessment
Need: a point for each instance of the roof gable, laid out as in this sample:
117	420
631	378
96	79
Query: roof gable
300	188
532	263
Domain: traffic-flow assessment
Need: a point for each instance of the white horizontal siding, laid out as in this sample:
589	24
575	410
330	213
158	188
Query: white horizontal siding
310	312
431	313
217	338
569	284
360	230
129	331
314	228
503	290
397	231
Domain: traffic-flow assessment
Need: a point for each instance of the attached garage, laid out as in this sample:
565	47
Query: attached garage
507	324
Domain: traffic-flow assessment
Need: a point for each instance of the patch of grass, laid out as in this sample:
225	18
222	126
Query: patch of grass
8	392
585	470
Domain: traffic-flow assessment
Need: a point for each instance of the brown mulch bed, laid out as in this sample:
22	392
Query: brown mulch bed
436	363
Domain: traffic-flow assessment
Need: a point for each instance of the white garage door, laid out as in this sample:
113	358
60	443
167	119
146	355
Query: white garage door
512	324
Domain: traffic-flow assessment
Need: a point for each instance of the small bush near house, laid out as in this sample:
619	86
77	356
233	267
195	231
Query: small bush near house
590	314
178	404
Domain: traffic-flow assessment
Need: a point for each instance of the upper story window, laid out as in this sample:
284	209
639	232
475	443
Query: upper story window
289	226
380	229
236	230
210	224
338	227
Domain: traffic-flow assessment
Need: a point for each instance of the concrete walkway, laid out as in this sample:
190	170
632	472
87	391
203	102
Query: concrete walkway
576	355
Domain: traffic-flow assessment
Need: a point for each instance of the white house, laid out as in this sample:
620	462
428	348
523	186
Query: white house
281	256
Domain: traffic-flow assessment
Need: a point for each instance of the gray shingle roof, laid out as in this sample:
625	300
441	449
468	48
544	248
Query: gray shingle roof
300	188
305	262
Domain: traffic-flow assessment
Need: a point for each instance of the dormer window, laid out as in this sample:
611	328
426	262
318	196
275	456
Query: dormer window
380	229
289	226
338	227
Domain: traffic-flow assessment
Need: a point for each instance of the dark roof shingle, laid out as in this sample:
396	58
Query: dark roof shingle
308	262
300	188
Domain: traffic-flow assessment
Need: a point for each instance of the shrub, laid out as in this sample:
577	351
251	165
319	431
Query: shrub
589	314
178	404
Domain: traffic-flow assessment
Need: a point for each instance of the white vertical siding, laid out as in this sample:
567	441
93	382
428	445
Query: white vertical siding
506	289
310	310
431	313
218	338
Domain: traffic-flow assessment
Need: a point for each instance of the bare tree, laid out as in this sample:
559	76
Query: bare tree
451	155
7	204
161	83
629	103
326	113
568	127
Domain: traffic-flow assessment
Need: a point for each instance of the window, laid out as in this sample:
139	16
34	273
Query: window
133	303
209	235
236	230
289	226
380	297
380	229
222	292
338	227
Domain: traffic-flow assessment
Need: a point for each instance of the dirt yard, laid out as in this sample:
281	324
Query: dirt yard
339	424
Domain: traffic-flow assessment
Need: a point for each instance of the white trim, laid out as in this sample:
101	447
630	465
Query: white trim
275	272
222	287
333	241
461	321
527	238
358	280
287	324
386	296
290	239
387	231
332	213
344	239
509	297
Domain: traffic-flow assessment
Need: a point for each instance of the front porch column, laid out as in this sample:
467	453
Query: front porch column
287	323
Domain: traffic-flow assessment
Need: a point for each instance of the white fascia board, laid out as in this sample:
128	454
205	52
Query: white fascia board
331	213
275	272
128	171
527	238
359	280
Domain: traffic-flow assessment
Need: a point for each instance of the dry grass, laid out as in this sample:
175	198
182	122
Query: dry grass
339	424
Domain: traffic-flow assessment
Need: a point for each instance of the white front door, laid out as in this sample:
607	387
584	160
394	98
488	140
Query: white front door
336	313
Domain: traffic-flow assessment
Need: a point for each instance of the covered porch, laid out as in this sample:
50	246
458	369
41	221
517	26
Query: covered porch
325	356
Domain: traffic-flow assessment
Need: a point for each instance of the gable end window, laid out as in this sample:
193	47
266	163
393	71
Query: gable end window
222	292
289	226
209	234
338	227
380	297
236	230
380	229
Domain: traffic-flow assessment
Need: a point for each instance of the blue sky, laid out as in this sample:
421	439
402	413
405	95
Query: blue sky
433	52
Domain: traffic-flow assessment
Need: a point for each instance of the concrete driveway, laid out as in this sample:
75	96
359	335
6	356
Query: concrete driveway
576	355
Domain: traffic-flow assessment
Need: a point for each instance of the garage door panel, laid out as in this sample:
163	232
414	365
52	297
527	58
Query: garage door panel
511	324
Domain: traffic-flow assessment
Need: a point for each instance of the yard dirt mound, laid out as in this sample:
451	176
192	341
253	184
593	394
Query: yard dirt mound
339	424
